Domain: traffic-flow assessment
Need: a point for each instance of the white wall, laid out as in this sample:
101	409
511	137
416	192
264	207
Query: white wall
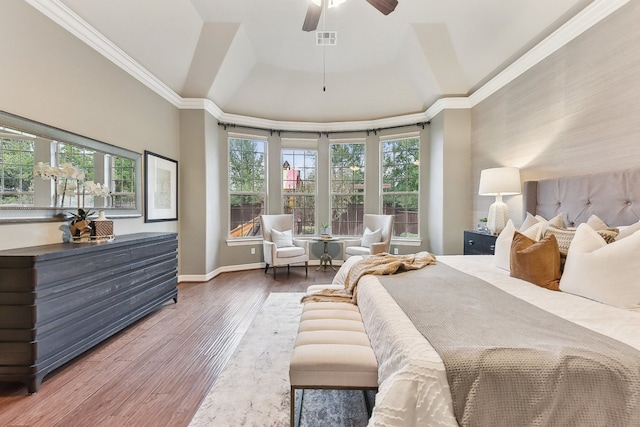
449	197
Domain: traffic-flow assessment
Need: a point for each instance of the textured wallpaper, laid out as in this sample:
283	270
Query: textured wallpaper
575	113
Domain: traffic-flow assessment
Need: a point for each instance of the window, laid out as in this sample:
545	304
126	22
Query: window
18	187
71	191
80	157
34	184
16	170
299	188
400	184
347	188
247	183
123	172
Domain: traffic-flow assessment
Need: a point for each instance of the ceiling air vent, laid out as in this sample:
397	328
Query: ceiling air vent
326	38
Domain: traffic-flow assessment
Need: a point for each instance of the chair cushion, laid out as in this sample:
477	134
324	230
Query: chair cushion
370	237
357	250
289	252
282	239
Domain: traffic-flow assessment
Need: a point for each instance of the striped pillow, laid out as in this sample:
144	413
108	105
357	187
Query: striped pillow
564	236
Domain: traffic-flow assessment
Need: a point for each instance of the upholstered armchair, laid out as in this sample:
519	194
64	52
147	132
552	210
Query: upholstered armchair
280	248
377	240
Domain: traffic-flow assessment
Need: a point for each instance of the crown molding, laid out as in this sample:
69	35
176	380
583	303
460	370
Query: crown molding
587	18
69	20
292	126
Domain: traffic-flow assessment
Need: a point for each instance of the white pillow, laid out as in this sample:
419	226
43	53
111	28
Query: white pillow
528	222
556	221
608	273
341	275
596	223
369	237
282	239
502	253
628	231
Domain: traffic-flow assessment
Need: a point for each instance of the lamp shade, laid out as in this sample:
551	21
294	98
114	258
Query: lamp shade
504	181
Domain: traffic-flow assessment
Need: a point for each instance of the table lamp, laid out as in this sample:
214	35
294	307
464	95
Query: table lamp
499	182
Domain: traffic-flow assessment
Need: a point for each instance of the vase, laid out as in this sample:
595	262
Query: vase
80	231
103	227
325	231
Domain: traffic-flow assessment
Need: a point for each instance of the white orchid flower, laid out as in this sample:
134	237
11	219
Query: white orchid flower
43	170
67	188
97	189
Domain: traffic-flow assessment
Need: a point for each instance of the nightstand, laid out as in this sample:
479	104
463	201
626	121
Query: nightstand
476	243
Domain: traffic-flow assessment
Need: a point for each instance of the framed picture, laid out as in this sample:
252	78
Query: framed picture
161	188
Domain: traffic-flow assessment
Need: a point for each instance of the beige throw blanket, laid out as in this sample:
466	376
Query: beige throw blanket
510	363
379	264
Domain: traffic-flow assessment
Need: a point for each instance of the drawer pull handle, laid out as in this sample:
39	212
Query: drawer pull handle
470	242
492	247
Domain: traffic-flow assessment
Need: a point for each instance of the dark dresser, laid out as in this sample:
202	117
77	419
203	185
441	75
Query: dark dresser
476	243
59	300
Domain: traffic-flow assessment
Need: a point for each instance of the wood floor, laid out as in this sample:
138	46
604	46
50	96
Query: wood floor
157	371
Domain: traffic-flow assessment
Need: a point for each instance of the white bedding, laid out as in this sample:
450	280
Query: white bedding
413	383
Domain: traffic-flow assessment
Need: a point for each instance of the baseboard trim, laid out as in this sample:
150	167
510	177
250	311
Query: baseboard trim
239	267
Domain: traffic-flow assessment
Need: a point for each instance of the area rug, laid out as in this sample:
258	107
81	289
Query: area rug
253	389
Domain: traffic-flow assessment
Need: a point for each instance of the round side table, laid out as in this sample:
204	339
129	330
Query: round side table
325	258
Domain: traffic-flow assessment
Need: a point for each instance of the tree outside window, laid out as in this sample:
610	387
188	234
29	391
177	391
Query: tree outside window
16	171
83	159
400	184
247	178
347	188
123	182
299	188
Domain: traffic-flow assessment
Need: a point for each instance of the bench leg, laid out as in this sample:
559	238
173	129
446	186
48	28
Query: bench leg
296	408
367	402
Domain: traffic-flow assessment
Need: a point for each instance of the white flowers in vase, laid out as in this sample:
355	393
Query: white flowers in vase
97	189
69	182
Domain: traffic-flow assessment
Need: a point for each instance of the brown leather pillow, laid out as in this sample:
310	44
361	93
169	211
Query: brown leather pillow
536	262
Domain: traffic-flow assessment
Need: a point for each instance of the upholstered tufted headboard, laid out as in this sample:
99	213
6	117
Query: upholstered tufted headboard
612	196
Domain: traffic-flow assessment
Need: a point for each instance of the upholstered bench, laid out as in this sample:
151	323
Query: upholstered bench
332	351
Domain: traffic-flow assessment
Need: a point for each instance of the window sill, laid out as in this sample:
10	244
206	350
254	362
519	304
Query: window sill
406	242
254	241
244	242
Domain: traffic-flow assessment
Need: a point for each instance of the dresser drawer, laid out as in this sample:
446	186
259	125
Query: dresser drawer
479	243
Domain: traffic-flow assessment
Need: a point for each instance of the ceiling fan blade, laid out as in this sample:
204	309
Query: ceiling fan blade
312	18
384	6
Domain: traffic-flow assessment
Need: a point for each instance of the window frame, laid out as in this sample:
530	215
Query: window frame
232	193
355	227
402	193
291	148
25	175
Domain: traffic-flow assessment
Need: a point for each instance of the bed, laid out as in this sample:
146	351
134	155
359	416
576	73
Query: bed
414	387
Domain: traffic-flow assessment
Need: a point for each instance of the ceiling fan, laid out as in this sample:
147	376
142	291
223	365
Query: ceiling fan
315	10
